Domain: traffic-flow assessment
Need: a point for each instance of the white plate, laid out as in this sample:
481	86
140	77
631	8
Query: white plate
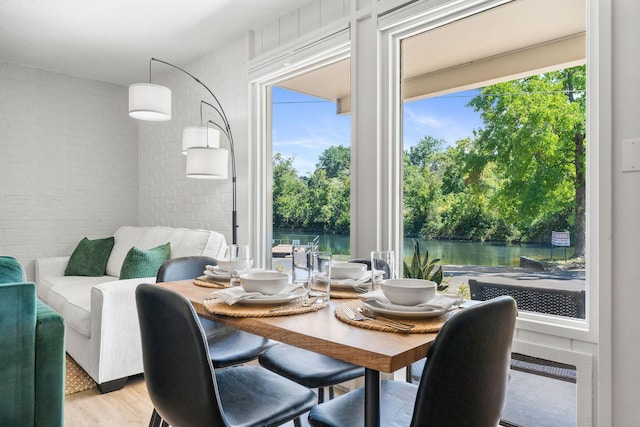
402	311
274	299
217	274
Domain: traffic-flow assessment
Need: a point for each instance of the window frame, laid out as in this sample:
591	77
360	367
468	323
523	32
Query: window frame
415	19
332	46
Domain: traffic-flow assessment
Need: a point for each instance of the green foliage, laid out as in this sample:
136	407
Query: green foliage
520	176
290	207
335	161
531	128
320	202
423	268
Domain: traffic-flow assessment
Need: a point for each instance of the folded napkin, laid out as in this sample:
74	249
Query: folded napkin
322	277
439	302
237	294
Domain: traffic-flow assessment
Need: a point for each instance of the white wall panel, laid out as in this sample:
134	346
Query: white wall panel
332	10
270	36
309	18
289	25
625	338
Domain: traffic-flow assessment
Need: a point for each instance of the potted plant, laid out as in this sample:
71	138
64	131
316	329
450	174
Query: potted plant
423	268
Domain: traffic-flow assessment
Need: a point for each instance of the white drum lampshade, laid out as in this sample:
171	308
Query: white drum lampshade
196	136
149	102
207	163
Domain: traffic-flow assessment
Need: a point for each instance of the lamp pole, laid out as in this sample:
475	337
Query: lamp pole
234	212
226	130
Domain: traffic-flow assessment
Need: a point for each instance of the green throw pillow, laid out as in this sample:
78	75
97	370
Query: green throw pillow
139	263
90	257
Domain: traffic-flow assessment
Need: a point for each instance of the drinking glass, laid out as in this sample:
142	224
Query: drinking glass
300	260
382	261
320	287
241	261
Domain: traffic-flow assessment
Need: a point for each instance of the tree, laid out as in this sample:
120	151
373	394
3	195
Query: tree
422	187
426	152
534	133
335	161
290	195
319	202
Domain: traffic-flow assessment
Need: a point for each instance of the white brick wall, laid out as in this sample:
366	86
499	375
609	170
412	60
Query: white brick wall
68	162
166	196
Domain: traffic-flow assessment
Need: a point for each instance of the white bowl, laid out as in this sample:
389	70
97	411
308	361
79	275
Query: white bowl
408	291
347	270
265	282
223	264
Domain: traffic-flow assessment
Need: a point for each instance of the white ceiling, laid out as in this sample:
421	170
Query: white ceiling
113	40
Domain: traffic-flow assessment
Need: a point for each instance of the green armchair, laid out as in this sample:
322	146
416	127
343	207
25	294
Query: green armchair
32	355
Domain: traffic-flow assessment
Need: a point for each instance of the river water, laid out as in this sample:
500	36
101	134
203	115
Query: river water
451	252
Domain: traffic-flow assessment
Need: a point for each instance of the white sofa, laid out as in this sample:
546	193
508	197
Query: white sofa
102	332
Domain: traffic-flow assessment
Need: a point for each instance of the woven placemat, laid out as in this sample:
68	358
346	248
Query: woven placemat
421	326
342	293
208	282
215	306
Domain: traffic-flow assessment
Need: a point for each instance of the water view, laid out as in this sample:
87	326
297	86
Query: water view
452	252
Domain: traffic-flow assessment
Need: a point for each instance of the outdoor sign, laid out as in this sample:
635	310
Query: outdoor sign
560	238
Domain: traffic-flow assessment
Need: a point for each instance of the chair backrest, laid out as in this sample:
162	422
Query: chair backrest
380	265
464	381
178	372
183	268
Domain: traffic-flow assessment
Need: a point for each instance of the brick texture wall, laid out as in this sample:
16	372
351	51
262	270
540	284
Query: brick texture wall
68	162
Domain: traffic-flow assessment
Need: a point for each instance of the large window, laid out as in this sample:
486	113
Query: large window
494	142
311	159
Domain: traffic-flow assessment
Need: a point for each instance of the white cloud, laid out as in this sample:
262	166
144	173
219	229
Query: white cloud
423	120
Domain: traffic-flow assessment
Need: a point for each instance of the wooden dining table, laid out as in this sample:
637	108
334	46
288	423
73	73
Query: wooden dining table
322	332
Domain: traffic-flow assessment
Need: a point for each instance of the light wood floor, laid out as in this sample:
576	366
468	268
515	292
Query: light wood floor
127	407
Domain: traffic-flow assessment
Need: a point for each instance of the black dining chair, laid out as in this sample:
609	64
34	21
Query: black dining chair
228	346
464	381
184	387
311	369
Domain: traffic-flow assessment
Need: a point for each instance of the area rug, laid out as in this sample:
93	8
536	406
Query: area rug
76	379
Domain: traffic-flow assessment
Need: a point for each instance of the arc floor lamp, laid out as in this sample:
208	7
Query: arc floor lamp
201	144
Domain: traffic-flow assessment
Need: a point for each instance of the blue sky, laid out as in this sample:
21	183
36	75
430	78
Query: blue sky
304	126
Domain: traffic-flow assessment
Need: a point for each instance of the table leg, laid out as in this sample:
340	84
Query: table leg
371	398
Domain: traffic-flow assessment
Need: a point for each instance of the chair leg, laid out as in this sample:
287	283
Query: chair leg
408	374
331	393
320	394
296	422
155	419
